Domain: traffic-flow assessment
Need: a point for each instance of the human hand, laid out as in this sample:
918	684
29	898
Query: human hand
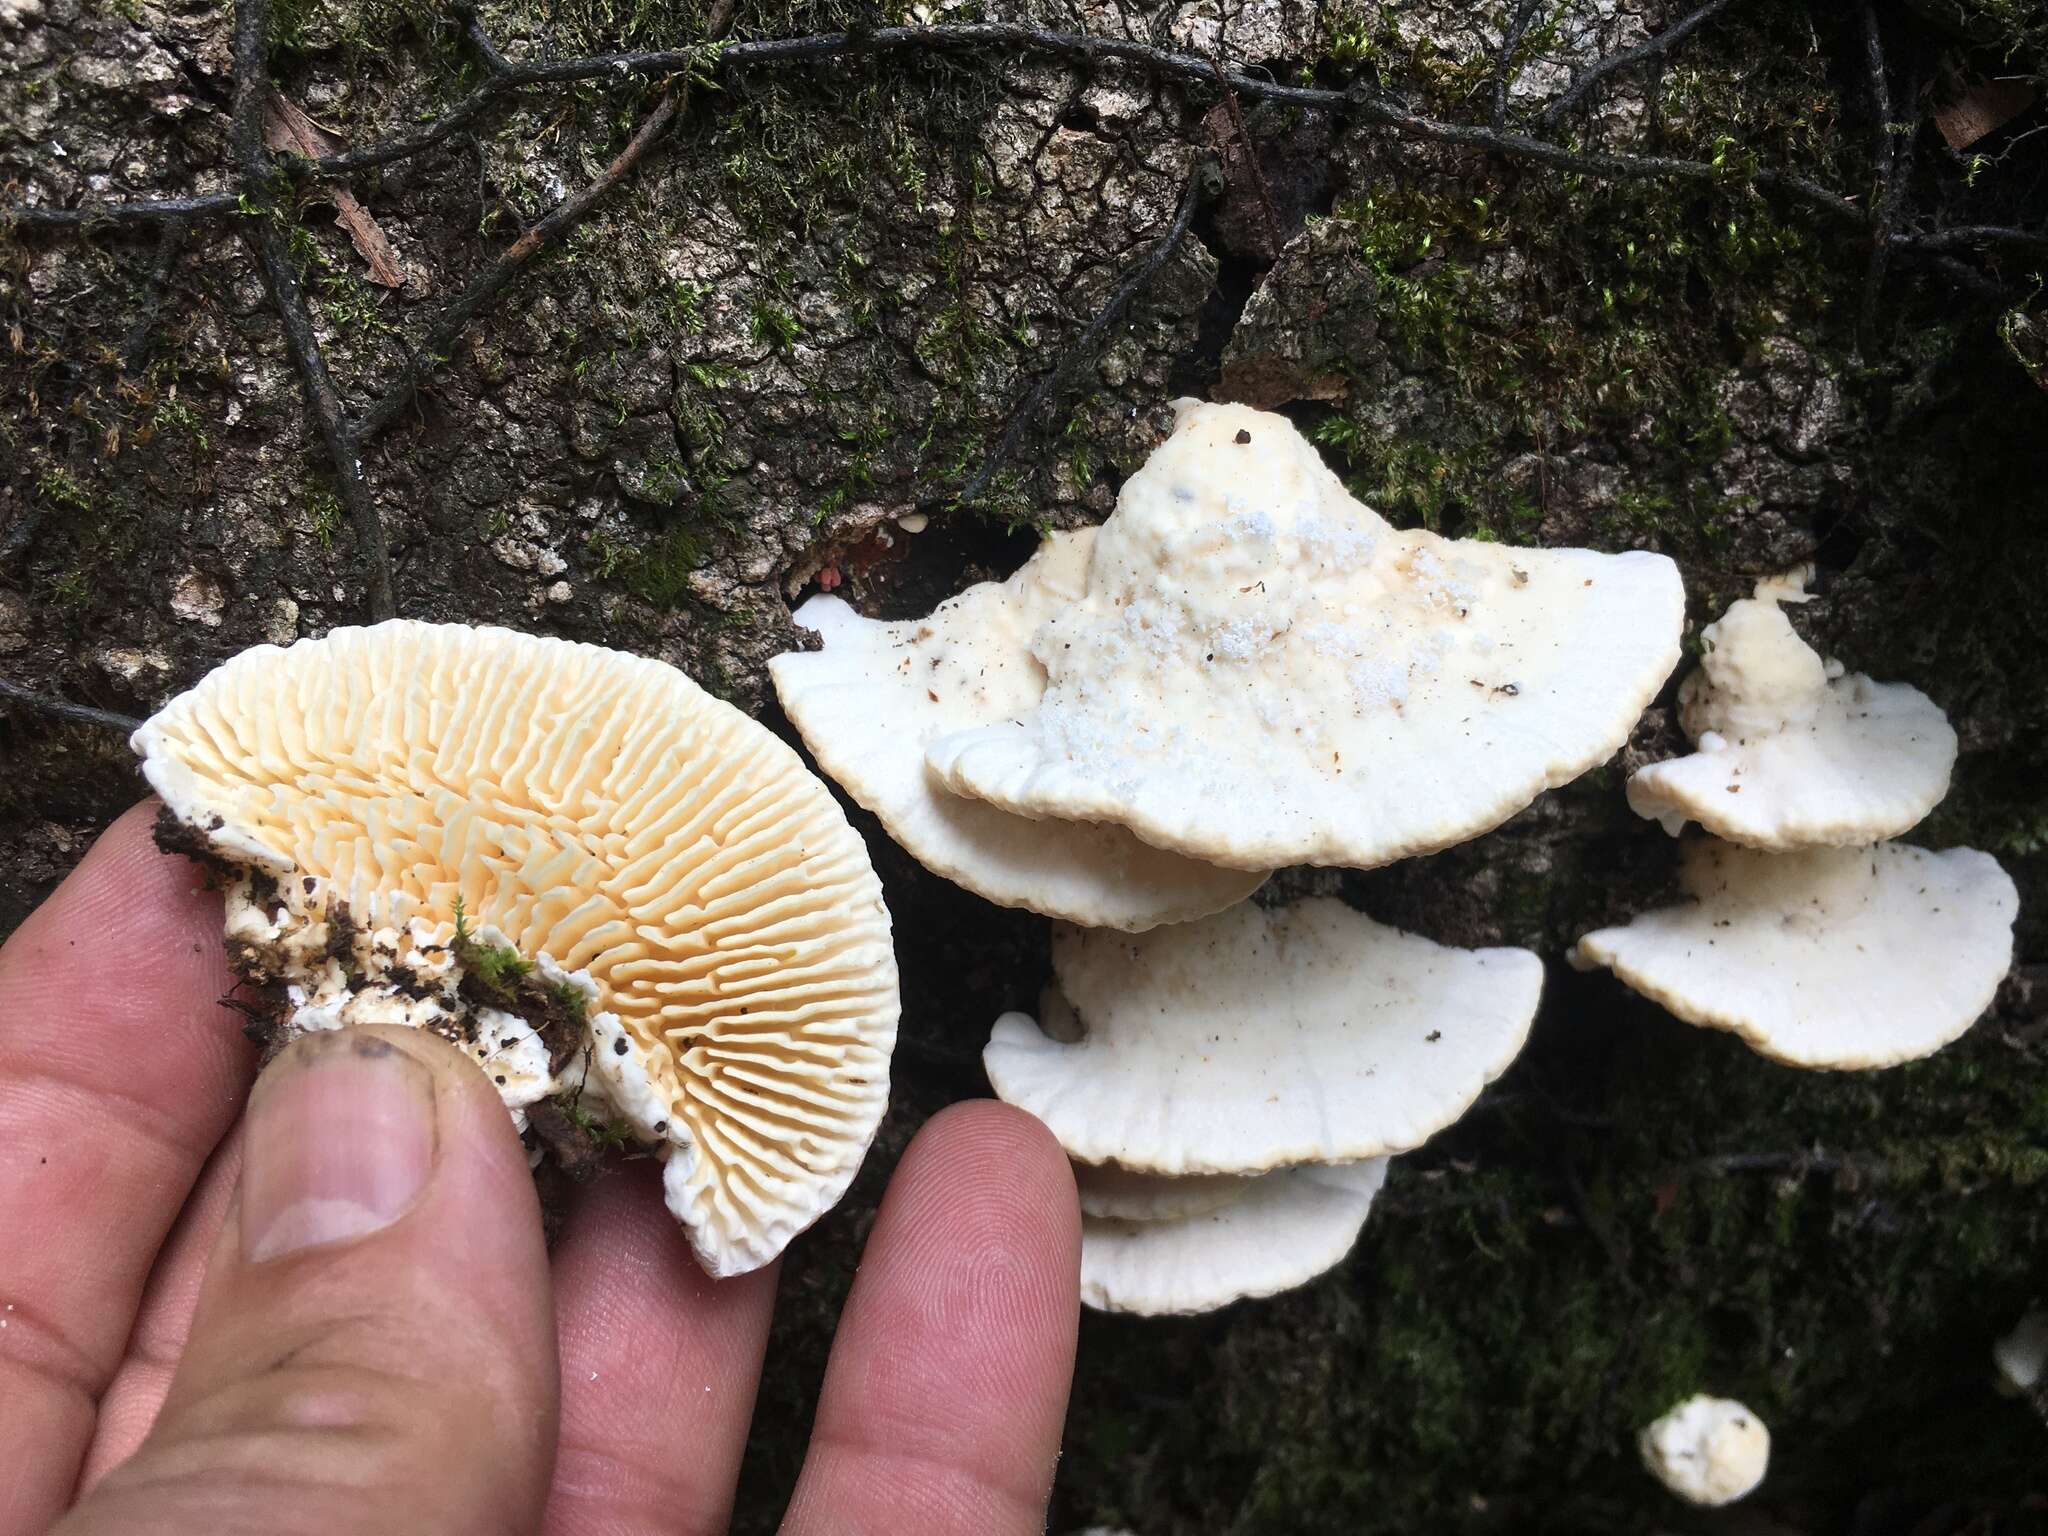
338	1315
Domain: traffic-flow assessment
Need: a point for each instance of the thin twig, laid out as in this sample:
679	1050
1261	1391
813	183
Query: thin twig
267	235
1201	183
1504	61
1252	165
434	347
1649	48
456	315
1971	234
1884	158
509	76
154	210
64	709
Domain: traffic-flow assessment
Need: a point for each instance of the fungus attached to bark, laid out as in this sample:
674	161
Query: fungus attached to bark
1707	1450
1831	958
2021	1356
1252	1039
878	694
620	894
1192	1245
1264	672
1792	753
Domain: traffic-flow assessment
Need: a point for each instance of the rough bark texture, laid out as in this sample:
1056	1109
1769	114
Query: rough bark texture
809	312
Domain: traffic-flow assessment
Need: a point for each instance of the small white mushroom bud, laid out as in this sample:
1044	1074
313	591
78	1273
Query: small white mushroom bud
1707	1450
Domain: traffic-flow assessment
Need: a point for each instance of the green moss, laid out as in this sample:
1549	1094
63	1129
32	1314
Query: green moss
773	327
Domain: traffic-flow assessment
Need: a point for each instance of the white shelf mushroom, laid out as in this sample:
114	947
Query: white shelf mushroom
1263	672
878	694
2022	1355
1707	1450
1832	958
1792	754
1252	1040
703	927
1160	1252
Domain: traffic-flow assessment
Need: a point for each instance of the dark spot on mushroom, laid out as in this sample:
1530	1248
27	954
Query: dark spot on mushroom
1433	1036
619	1046
1243	436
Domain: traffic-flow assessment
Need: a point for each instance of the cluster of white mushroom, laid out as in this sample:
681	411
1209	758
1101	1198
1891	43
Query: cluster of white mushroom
1243	668
1809	933
642	915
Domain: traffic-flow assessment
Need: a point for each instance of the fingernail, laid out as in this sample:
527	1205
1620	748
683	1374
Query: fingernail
340	1143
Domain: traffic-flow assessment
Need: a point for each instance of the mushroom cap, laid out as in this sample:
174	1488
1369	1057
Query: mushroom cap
2020	1355
1707	1450
870	702
1263	672
1756	676
1842	958
1282	1230
1254	1039
1790	756
612	820
1118	1194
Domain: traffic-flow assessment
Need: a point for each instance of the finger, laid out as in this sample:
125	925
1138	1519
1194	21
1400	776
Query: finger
659	1367
135	1395
373	1349
942	1403
118	1074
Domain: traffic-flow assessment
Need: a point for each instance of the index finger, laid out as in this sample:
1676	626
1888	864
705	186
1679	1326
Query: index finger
119	1072
948	1381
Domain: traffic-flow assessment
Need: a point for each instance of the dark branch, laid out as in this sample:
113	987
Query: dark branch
146	211
480	40
1628	58
64	709
1201	184
1972	234
1884	161
1504	61
1520	146
266	233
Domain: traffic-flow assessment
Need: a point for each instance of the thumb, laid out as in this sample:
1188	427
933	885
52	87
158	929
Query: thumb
373	1349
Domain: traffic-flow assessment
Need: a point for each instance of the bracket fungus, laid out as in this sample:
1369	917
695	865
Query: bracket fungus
1842	958
621	895
1193	1245
1263	672
1707	1450
2021	1356
878	694
1252	1040
1792	753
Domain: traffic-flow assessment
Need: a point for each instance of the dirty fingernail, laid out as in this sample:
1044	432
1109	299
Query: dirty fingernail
340	1144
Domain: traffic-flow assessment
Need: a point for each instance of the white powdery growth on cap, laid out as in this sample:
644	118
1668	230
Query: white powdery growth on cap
1707	1450
878	694
1254	1039
1261	1236
1793	754
1263	672
633	837
1832	958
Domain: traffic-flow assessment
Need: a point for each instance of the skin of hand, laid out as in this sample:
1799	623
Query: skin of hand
335	1313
